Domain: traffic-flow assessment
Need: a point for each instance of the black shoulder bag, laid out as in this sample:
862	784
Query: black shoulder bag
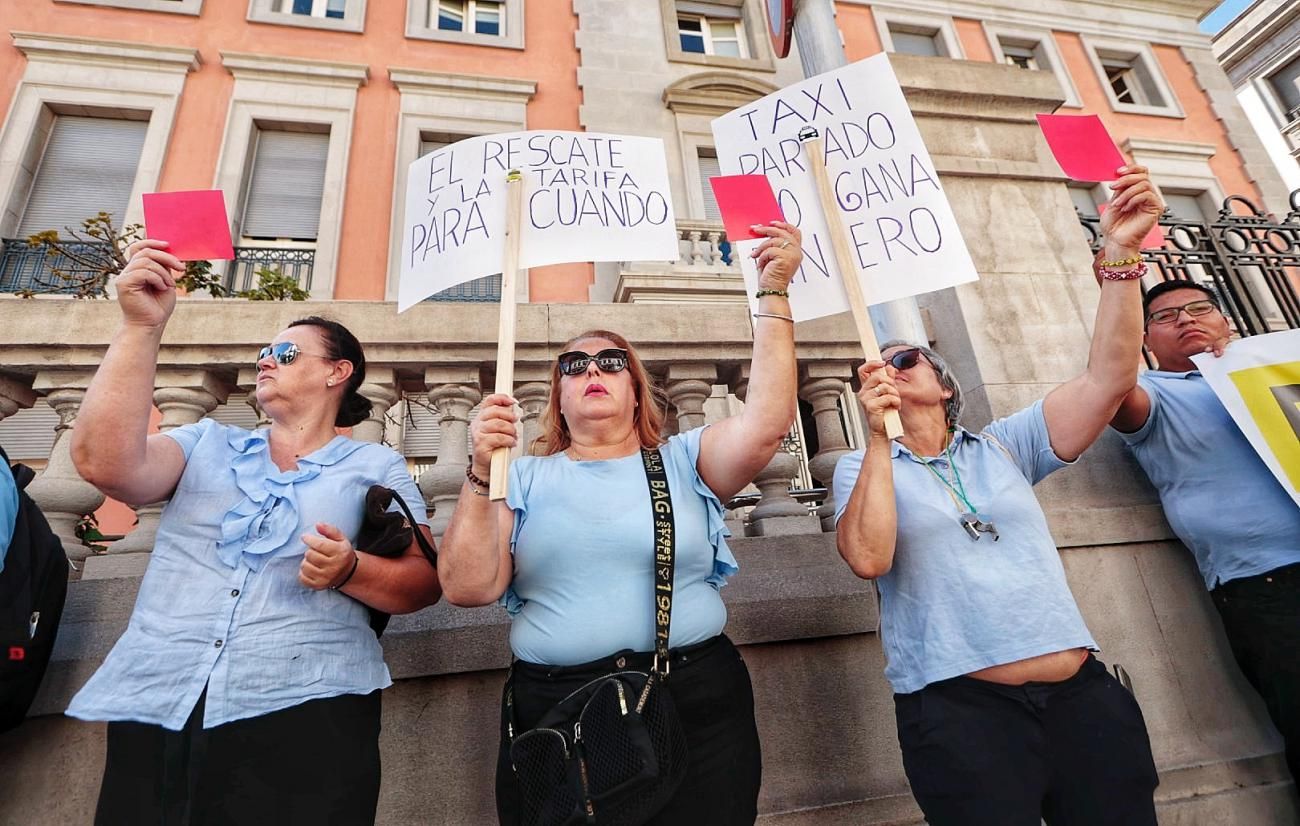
614	751
389	534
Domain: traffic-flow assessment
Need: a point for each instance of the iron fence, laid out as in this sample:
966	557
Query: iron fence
294	263
24	266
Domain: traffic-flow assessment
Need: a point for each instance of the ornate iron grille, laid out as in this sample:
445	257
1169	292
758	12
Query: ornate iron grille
27	267
1250	260
295	263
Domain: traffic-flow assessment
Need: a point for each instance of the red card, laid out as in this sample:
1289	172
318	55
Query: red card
745	200
1154	240
194	224
1082	146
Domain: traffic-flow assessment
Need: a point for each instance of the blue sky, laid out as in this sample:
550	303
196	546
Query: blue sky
1223	15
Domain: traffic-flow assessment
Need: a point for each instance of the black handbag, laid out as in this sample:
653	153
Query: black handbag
613	752
387	533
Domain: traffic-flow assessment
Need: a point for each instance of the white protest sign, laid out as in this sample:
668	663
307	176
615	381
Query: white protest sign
902	232
587	197
1258	381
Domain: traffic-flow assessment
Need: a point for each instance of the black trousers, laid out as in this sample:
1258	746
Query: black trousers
715	701
1073	753
1261	617
314	763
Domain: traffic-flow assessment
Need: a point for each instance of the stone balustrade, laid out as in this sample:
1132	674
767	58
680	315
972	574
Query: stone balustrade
443	352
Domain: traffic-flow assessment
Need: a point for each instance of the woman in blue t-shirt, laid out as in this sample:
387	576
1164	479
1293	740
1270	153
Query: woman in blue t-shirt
1004	717
571	548
246	687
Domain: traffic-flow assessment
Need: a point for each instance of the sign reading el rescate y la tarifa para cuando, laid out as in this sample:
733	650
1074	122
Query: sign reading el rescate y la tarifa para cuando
586	197
903	236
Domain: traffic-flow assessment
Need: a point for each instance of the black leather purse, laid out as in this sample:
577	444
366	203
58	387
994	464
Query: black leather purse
613	752
388	533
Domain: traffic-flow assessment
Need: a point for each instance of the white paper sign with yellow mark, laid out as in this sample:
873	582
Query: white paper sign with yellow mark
1258	381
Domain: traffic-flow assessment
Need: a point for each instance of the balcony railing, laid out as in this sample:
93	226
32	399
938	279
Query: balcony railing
24	266
486	289
295	263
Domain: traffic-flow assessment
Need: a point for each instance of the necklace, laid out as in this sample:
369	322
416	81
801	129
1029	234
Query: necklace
968	517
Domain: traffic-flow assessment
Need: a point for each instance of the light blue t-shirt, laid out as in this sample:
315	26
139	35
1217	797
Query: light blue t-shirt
220	603
584	555
1219	497
8	511
951	605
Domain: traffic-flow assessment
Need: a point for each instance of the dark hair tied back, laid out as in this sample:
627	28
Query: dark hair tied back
341	345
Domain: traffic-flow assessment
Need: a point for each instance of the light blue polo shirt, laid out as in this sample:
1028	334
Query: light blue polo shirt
584	555
951	605
1219	497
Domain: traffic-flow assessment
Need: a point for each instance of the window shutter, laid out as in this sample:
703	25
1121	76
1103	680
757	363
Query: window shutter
420	436
29	434
285	189
89	166
235	412
709	168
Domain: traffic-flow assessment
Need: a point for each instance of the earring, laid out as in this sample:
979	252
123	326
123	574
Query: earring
329	383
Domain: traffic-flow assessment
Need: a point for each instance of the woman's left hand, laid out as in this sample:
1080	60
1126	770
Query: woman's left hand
779	257
329	557
1134	208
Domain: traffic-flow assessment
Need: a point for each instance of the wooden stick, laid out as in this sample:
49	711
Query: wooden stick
498	480
812	150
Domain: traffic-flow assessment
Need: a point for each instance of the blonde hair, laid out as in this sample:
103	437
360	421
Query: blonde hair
647	416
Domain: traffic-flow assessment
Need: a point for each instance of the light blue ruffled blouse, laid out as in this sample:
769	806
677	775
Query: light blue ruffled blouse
584	555
220	603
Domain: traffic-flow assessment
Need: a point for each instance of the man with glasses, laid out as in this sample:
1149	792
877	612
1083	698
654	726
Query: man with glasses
1220	498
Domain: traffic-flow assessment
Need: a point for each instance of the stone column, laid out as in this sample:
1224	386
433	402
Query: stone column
453	392
15	395
183	397
63	496
822	385
381	388
777	513
532	389
688	386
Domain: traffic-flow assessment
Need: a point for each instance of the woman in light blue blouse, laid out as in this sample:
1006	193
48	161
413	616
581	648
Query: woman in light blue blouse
246	686
571	549
1004	716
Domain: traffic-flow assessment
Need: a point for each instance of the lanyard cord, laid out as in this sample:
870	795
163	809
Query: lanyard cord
960	489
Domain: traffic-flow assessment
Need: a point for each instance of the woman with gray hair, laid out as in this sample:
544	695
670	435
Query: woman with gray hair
1004	716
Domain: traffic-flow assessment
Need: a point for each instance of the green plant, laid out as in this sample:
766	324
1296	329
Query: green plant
87	531
82	263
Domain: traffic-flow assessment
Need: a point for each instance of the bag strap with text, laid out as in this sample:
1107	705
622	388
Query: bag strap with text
661	505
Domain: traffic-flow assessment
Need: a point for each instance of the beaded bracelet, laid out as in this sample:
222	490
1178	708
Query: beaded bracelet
1109	274
781	293
474	480
1123	262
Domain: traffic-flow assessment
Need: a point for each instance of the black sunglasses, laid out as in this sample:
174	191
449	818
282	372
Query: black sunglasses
284	353
905	359
609	360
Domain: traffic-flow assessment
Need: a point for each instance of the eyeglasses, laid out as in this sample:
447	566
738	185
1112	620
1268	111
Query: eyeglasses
284	353
609	360
1196	308
905	359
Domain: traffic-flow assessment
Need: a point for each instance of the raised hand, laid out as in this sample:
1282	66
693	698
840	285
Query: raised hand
878	394
330	558
1134	208
146	286
779	257
493	427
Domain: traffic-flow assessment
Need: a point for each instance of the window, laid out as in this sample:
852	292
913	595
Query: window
478	16
1285	83
484	22
709	168
917	33
703	35
1084	199
1020	56
339	15
1033	50
89	165
286	186
487	288
1131	77
29	434
722	33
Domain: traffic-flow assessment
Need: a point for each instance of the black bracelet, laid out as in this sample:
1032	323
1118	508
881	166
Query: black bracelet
781	293
469	474
356	560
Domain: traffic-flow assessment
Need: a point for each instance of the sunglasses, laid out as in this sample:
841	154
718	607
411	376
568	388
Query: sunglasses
609	360
1194	309
284	353
905	359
